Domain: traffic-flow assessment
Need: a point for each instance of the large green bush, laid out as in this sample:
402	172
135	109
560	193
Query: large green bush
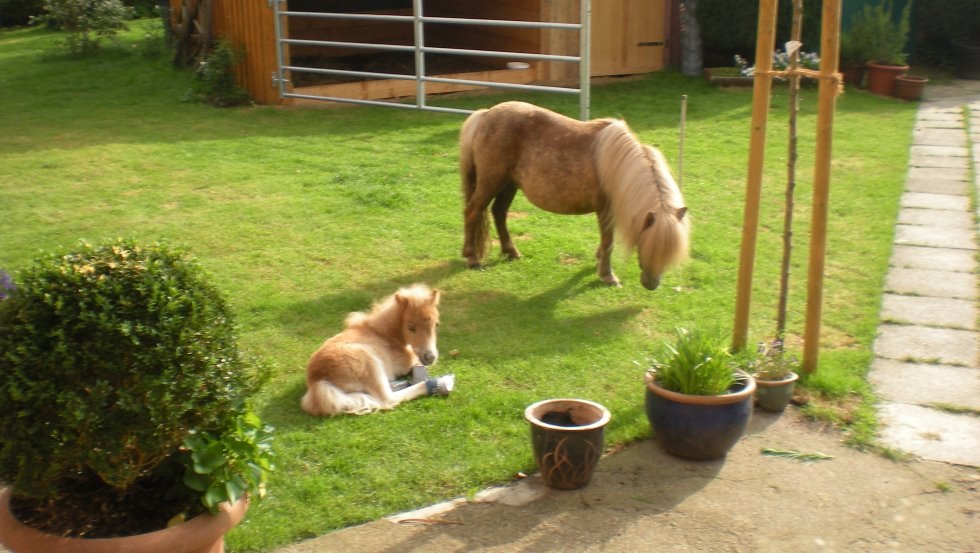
111	357
938	23
87	22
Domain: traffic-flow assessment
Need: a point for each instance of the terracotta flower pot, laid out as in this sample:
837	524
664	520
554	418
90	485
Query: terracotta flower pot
881	77
775	395
202	534
700	428
909	87
567	438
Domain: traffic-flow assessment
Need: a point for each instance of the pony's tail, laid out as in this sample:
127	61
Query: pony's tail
323	398
467	174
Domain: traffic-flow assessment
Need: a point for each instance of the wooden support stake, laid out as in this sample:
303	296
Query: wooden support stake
826	104
762	89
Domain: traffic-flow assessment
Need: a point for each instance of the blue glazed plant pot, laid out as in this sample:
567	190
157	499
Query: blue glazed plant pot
567	438
699	428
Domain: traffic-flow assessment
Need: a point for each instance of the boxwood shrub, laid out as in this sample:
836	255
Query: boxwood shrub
110	357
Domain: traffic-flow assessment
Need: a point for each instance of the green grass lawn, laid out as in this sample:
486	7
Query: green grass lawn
303	215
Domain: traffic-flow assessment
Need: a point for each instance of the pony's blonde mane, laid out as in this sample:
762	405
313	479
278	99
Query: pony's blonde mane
626	168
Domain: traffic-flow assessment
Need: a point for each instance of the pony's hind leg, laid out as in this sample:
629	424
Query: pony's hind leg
480	190
501	204
603	255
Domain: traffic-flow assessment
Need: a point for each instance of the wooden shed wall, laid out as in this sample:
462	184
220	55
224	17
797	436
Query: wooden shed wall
250	26
628	35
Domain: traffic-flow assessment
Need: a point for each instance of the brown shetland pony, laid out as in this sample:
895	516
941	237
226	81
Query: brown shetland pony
571	167
351	372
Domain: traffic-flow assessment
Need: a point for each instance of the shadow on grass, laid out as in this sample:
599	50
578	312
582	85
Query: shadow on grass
494	325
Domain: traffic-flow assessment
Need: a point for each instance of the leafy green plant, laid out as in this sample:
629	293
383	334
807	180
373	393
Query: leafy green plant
223	467
878	35
769	362
697	363
86	22
216	80
113	355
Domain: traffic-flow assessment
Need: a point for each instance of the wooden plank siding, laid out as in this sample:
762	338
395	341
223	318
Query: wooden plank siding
628	37
248	25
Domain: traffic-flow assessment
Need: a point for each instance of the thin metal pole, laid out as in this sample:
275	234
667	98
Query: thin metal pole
680	154
419	55
280	74
826	104
585	49
762	90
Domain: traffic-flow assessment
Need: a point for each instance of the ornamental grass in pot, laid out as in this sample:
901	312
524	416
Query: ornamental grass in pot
124	403
697	400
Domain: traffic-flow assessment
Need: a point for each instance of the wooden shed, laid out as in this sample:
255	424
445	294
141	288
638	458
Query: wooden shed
627	37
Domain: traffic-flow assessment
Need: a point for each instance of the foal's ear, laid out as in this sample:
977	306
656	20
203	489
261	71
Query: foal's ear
648	222
435	296
681	212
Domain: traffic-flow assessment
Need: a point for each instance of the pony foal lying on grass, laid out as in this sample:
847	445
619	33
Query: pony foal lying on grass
352	371
571	167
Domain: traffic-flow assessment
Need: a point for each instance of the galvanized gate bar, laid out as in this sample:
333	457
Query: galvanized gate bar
426	19
418	20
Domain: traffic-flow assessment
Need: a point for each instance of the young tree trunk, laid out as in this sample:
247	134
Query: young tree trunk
794	108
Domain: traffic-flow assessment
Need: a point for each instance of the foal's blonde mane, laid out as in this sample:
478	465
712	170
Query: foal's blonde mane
387	313
626	168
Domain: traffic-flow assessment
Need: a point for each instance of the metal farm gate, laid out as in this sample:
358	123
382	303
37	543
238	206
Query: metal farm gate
288	69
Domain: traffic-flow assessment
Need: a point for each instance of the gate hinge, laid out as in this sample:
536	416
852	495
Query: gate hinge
276	80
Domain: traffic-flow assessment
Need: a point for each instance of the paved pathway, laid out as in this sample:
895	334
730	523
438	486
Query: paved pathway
926	358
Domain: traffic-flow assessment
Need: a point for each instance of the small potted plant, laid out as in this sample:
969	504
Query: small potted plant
853	53
886	38
124	401
697	400
775	376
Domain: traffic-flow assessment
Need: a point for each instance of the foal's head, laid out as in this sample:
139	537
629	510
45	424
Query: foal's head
420	319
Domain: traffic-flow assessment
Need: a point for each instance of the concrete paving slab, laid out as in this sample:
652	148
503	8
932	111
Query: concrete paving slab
935	201
946	121
927	282
940	137
925	385
939	259
939	237
936	217
930	311
930	186
939	151
931	434
914	343
926	160
926	113
960	173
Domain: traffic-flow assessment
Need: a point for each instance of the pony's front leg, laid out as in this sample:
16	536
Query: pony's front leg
603	255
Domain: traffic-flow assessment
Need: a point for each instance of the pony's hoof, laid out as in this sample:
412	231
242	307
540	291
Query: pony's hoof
612	282
473	264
